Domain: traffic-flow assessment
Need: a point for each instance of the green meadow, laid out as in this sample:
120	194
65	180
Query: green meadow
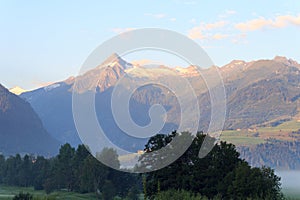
248	137
8	192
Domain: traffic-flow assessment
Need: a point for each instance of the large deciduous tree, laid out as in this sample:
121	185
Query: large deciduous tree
221	173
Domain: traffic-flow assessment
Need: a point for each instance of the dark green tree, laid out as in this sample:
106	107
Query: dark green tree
108	190
25	173
94	173
2	168
133	193
64	167
78	164
41	172
12	169
23	196
221	173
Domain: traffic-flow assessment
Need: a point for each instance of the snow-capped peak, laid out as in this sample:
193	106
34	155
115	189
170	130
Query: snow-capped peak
17	90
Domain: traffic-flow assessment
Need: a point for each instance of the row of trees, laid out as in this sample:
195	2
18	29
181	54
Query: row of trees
72	170
220	175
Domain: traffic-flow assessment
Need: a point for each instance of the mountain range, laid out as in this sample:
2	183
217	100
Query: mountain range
259	93
21	130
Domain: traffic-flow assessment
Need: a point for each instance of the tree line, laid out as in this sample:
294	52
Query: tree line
72	169
222	174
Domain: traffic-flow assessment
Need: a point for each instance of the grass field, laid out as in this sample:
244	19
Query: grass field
242	137
248	137
291	194
8	193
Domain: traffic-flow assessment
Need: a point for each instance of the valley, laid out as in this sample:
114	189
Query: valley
262	102
150	100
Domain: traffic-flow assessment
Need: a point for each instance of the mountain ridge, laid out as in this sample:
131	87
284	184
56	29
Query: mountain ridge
21	130
257	91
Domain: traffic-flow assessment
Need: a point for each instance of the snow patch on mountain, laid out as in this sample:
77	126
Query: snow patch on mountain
51	87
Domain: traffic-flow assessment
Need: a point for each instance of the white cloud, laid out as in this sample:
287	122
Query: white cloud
280	21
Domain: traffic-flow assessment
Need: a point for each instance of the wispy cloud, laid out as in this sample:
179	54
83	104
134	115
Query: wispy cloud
240	39
156	15
219	36
227	13
121	30
215	25
280	21
196	33
200	32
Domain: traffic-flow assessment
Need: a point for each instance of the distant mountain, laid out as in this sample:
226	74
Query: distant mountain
21	130
261	91
103	76
17	90
258	93
54	102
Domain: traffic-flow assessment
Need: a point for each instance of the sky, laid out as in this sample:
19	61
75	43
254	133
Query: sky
42	42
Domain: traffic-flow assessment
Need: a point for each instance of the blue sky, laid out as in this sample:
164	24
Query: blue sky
47	41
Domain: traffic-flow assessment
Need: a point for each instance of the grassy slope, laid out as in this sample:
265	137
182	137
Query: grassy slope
247	137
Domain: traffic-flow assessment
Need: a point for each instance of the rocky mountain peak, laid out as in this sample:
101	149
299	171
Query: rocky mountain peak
116	60
103	76
235	63
286	61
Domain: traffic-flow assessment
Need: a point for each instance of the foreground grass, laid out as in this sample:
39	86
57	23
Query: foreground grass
7	193
291	194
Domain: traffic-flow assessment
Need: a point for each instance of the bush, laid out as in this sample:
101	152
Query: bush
23	196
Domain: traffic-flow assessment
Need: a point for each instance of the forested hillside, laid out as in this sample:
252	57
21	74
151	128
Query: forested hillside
276	154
